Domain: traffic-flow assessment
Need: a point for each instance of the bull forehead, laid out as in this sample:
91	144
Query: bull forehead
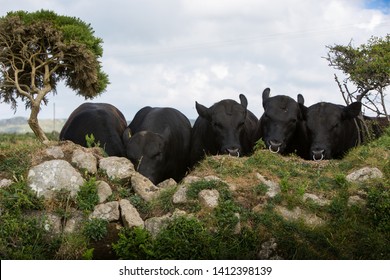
282	108
324	114
227	109
146	142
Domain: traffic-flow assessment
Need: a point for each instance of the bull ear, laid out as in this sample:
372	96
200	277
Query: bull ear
352	110
202	111
266	94
244	101
300	99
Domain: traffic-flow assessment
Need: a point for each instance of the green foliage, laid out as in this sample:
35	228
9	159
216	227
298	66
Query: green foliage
23	237
185	239
73	246
366	65
95	229
91	141
236	229
15	151
40	49
135	244
18	198
378	205
87	197
196	187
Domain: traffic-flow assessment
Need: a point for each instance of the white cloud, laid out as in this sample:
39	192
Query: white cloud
182	51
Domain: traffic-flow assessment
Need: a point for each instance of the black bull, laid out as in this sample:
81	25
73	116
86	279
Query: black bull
281	126
157	141
333	129
227	127
103	120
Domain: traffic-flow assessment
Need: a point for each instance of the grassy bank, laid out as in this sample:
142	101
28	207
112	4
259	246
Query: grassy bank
347	230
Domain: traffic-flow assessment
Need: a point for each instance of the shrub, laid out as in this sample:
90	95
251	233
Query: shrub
87	196
134	243
95	229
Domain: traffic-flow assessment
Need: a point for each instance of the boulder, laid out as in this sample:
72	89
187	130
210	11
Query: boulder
5	183
180	195
297	213
316	199
117	167
85	161
209	198
364	174
107	211
130	215
156	224
54	152
54	175
143	187
103	191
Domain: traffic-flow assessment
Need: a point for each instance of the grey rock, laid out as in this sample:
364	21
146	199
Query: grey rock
318	200
273	188
298	213
191	179
55	152
108	211
237	228
103	190
356	200
268	250
85	161
54	175
143	187
156	224
167	183
74	222
5	183
180	195
209	198
52	223
130	215
364	174
212	178
117	167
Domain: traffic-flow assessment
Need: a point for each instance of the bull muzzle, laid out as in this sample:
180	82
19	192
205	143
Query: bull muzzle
318	154
274	147
233	152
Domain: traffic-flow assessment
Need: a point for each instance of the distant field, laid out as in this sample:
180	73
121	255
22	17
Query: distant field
19	125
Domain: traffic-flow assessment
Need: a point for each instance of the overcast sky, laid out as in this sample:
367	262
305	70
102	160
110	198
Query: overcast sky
175	52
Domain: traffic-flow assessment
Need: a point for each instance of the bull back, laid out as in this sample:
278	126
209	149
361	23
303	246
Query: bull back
103	120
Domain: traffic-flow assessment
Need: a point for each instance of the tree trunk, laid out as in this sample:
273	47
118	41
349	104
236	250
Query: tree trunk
34	125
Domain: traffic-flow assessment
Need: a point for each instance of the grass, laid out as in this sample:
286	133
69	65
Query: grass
244	219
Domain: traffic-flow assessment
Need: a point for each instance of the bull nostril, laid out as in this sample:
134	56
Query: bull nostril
318	154
275	143
233	152
274	146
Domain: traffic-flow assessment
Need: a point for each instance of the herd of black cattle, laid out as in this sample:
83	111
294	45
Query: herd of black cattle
162	144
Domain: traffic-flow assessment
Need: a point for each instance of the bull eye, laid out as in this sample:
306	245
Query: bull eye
241	124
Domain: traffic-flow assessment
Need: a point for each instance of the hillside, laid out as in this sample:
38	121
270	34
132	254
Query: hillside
19	125
265	206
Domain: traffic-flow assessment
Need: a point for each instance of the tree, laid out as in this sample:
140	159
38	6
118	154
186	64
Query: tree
368	68
40	49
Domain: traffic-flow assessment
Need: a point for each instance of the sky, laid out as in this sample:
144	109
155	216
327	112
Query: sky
172	53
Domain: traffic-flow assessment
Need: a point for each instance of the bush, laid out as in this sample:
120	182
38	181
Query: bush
87	196
95	229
